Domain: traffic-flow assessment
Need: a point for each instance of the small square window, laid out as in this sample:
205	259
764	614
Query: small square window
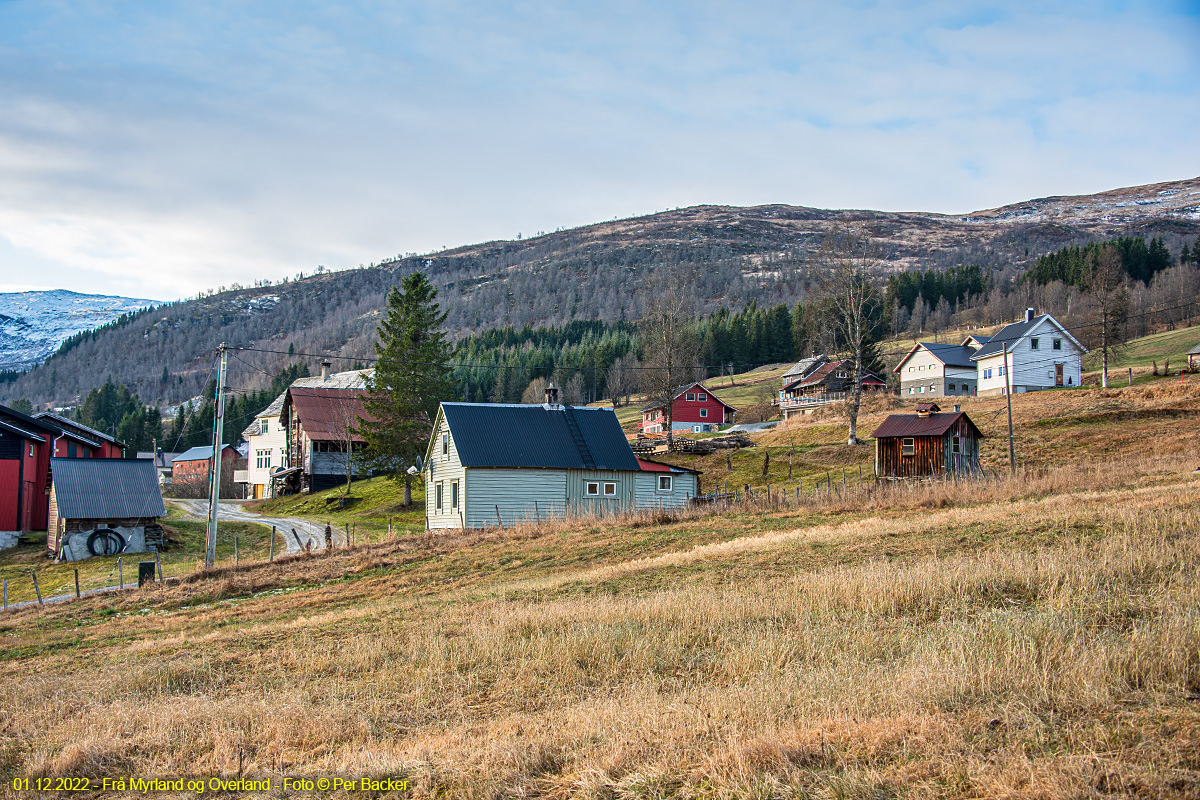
664	483
956	444
912	390
1001	372
593	488
702	397
950	387
1033	343
908	447
704	412
1057	344
691	396
610	490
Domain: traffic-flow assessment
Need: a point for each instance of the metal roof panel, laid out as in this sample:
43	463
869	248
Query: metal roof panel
106	488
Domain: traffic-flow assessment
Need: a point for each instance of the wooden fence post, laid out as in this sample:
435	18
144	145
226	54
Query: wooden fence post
272	543
236	556
36	590
296	536
391	535
120	574
499	521
76	584
6	594
347	534
158	563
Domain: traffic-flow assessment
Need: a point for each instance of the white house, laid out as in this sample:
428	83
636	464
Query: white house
937	370
501	464
267	436
1042	354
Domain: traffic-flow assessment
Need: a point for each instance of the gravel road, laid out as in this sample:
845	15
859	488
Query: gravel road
308	535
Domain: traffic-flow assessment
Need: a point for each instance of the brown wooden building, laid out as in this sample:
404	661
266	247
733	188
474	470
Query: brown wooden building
927	444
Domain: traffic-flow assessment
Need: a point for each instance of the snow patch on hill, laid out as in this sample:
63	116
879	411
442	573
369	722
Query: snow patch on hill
34	324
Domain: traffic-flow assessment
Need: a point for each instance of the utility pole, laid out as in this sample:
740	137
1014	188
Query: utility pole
1012	447
214	483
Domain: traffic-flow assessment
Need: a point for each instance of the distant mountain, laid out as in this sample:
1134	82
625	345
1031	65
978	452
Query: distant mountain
763	254
34	324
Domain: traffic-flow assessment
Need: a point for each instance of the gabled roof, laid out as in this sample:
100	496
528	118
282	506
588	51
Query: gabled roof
951	355
22	432
30	424
352	379
978	338
1014	332
106	488
804	366
199	453
71	425
559	437
1195	351
326	414
684	389
913	425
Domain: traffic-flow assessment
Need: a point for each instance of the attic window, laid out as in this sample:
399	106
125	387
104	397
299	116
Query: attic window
1057	344
702	397
445	444
691	396
1033	343
908	447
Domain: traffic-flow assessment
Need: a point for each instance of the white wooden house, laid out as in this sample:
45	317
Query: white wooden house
500	464
1041	354
931	369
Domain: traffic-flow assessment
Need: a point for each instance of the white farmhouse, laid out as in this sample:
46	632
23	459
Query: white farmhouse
267	436
1041	354
493	464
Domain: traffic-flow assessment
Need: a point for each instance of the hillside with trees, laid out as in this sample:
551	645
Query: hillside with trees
737	259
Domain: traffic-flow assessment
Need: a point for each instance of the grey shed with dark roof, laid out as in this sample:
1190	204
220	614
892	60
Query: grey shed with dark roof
91	493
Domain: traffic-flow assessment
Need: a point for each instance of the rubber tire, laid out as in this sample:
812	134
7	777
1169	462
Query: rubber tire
120	542
100	536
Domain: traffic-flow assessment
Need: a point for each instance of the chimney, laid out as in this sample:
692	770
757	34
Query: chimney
551	395
325	365
1029	315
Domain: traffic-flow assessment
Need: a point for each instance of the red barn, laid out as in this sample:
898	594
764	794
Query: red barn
694	408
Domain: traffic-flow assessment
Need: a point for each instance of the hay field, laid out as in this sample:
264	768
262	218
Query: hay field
1027	636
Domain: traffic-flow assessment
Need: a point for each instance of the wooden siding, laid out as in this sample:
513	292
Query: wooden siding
647	496
933	455
580	502
519	495
445	469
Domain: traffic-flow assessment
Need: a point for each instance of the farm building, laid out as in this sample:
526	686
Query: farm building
694	408
1193	356
27	444
103	506
193	465
500	464
827	382
937	370
926	444
322	439
1041	354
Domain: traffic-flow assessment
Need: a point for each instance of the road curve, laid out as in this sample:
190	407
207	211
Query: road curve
308	535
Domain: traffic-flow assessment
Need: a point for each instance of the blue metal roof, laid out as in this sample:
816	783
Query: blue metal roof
562	437
952	355
198	453
1009	334
106	488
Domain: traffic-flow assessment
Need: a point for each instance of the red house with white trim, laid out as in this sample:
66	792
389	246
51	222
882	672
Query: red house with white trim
694	409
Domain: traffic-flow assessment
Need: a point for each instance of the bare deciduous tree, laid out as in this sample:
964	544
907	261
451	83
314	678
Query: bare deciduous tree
670	348
849	259
535	392
1110	297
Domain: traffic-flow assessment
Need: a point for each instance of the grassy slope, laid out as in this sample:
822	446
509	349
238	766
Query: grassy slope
1033	637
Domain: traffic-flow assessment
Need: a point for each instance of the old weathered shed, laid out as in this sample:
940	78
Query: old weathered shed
926	444
323	438
103	505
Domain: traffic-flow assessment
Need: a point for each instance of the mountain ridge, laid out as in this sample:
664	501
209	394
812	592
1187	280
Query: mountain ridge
34	324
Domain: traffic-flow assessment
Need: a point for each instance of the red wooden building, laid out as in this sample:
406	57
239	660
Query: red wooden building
26	446
694	408
193	465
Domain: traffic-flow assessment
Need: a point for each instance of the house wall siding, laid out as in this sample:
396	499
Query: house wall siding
647	496
506	496
445	470
274	440
1032	370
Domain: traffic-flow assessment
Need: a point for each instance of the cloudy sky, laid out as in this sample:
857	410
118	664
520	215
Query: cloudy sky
155	149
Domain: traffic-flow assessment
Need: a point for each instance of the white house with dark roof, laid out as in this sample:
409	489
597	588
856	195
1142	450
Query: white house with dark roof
1042	354
496	464
933	369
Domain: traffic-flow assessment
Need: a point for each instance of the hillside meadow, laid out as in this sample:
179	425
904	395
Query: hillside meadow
1027	635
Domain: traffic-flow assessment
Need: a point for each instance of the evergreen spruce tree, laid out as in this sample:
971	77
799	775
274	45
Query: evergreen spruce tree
410	379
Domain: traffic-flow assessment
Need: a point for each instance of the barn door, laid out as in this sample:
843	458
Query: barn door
1058	374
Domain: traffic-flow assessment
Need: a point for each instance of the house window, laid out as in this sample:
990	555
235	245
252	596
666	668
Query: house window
1057	344
610	490
593	489
908	447
437	496
922	390
664	483
704	412
1033	344
912	390
71	450
454	495
1001	372
956	444
950	387
445	444
702	397
691	396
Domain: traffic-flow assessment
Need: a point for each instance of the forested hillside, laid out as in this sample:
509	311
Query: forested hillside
764	256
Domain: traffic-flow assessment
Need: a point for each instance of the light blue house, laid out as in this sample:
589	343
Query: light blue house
500	464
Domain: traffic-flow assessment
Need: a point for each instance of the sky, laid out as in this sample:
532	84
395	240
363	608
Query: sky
158	149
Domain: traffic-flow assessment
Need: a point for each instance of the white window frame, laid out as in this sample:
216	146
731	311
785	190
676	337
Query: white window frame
1034	342
908	446
446	444
453	495
591	488
690	397
610	489
956	444
702	397
666	483
1057	344
437	496
704	413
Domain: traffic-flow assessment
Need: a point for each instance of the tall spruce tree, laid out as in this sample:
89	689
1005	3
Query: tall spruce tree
410	379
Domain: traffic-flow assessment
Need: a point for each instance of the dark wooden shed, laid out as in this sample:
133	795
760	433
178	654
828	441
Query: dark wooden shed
927	444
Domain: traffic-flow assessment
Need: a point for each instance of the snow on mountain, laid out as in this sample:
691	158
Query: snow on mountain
34	324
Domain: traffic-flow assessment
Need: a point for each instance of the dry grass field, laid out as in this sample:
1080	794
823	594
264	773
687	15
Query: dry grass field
1035	635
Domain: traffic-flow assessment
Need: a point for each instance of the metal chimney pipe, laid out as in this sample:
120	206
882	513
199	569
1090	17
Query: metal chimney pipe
1029	315
325	365
551	395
